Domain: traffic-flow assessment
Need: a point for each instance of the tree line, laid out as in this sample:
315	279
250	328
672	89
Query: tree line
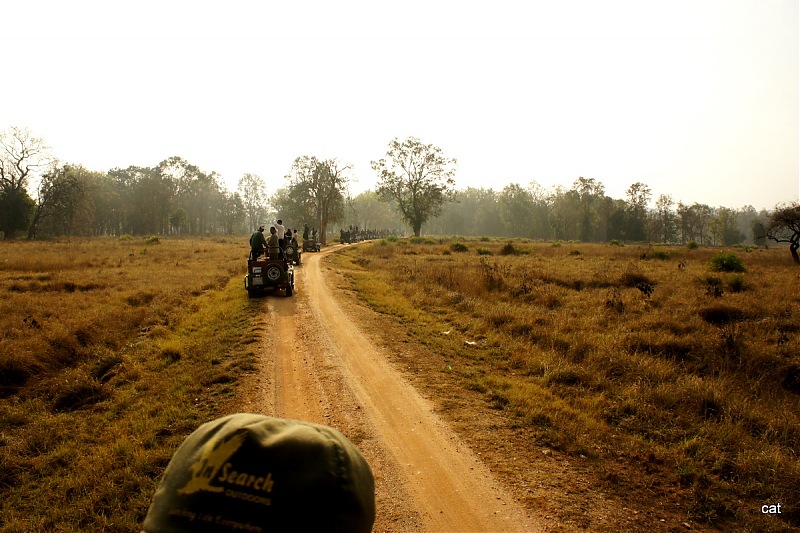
584	213
40	196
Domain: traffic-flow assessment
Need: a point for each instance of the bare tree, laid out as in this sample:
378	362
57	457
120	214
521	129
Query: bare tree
784	226
21	156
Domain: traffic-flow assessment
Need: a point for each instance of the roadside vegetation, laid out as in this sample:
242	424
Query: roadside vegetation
111	352
671	373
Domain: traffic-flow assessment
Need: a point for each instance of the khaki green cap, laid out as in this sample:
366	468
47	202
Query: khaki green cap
254	473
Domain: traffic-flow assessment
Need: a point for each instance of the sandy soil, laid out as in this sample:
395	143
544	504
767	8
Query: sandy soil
318	365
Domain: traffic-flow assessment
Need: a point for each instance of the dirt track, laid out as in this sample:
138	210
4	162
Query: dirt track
317	365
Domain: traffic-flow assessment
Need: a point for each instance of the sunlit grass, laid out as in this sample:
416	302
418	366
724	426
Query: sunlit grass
602	350
112	351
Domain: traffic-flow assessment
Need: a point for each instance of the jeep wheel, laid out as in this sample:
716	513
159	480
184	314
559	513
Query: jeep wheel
273	273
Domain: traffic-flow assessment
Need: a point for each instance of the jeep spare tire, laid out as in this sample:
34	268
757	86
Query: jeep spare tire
273	273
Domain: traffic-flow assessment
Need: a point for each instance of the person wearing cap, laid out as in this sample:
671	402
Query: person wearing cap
257	243
250	472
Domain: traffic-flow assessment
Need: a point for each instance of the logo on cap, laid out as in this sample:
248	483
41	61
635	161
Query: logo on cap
213	465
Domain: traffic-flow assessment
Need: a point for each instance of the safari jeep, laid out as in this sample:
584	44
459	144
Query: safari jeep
292	253
269	273
310	245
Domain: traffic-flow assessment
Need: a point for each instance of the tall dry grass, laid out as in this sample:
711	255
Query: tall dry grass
111	352
607	351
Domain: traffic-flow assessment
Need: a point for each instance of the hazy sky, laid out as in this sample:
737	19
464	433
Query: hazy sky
696	98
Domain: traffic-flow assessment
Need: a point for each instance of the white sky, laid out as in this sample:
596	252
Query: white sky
695	98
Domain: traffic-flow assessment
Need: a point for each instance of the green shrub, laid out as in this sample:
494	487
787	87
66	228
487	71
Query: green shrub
459	247
615	242
483	251
153	239
692	245
735	282
656	254
727	262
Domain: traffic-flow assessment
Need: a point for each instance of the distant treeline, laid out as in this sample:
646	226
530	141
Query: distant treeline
177	198
585	213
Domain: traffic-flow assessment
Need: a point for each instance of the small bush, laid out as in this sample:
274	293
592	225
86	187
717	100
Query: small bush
663	255
574	252
735	282
727	262
719	315
508	249
692	245
615	242
634	279
459	247
483	251
153	239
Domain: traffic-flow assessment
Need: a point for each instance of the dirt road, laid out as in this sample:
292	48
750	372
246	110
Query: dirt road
318	365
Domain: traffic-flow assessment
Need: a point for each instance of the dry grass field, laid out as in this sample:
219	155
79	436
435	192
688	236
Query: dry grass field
669	379
111	352
666	380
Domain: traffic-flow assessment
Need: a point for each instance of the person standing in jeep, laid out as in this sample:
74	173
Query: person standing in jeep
275	250
258	243
281	233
